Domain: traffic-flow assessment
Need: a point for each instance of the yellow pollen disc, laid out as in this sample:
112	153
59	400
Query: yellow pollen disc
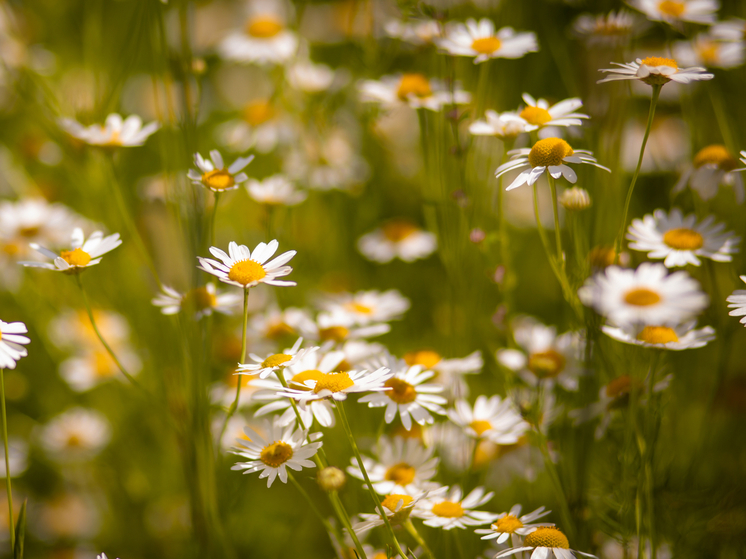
30	231
302	377
74	441
278	330
641	297
263	27
428	359
683	239
619	386
198	299
507	524
547	536
448	509
657	335
246	272
11	248
550	151
660	61
358	308
333	382
486	45
485	453
546	364
671	8
379	555
413	84
258	112
77	257
335	333
390	503
715	155
401	391
276	454
480	425
276	360
103	365
401	473
709	52
218	179
535	115
398	230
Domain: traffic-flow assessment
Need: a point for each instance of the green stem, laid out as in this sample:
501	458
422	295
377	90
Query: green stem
554	477
623	228
7	463
315	510
344	518
409	527
212	219
234	405
557	231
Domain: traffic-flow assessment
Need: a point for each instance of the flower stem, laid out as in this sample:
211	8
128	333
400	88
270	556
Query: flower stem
315	510
7	462
557	231
409	527
212	219
234	405
554	476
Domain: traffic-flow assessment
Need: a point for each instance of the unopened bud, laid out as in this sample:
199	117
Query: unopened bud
331	479
575	199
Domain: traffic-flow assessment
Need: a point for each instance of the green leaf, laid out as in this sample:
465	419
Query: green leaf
20	532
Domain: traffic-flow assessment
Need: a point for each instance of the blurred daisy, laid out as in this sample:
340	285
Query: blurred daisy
538	114
305	75
647	295
544	542
82	254
511	524
244	268
507	125
550	155
17	457
609	30
397	238
366	307
677	338
263	367
403	466
275	324
333	328
414	31
732	29
77	434
680	240
480	41
453	511
448	372
737	301
200	301
11	343
90	367
213	175
707	50
260	125
276	451
338	385
655	70
263	40
675	11
492	418
276	190
114	133
712	166
415	90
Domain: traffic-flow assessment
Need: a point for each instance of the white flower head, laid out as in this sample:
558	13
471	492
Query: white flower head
414	90
448	372
11	343
480	40
82	254
245	268
116	132
452	510
264	40
276	190
543	543
397	507
737	301
416	32
77	434
397	238
676	11
713	166
710	51
676	338
513	524
338	385
213	174
491	418
501	125
263	367
305	75
197	302
655	70
539	114
366	307
612	30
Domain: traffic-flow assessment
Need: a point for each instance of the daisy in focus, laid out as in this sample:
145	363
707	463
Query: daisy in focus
479	40
214	176
263	367
338	385
455	511
655	70
116	132
366	307
737	301
397	238
548	155
414	90
197	302
82	254
11	343
539	114
543	543
244	268
448	372
713	166
511	524
676	338
264	39
673	12
492	418
507	125
681	240
276	190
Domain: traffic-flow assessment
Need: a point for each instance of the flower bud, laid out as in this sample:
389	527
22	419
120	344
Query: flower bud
331	479
575	199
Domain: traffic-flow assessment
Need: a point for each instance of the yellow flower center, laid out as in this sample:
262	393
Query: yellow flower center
448	509
717	155
546	364
218	179
413	84
660	61
480	426
335	333
258	112
398	230
671	8
401	391
657	335
508	524
401	473
74	441
263	27
486	45
113	140
29	231
276	360
641	297
390	503
547	536
550	151
709	52
333	382
428	359
278	330
276	454
683	239
77	257
103	366
246	272
358	308
303	376
198	299
535	115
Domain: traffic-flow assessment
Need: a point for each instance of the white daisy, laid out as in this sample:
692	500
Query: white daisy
543	543
414	31
737	301
263	40
681	240
480	41
77	434
397	238
712	166
512	524
550	155
275	324
397	507
307	76
11	343
200	301
263	367
448	372
244	268
333	328
492	418
91	366
276	190
261	125
453	511
539	114
708	50
338	385
17	457
655	70
114	133
82	254
732	29
273	453
414	90
675	11
213	175
646	295
502	125
677	338
610	30
366	307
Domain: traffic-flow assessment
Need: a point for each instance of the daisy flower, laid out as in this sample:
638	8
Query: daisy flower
538	114
261	125
114	133
448	372
17	458
307	76
675	11
677	338
275	324
77	434
655	70
90	367
543	543
338	385
397	238
263	367
492	418
11	343
609	30
712	166
82	254
263	40
273	453
512	524
709	50
507	125
276	190
213	175
453	511
333	328
480	41
414	90
732	29
403	466
244	268
681	240
366	307
414	31
200	301
550	155
646	295
407	395
397	507
737	301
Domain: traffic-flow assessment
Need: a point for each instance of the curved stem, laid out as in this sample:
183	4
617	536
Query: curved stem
7	463
315	509
409	527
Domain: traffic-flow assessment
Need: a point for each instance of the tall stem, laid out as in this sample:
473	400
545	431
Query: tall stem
409	527
557	231
234	405
554	476
212	219
315	509
7	463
